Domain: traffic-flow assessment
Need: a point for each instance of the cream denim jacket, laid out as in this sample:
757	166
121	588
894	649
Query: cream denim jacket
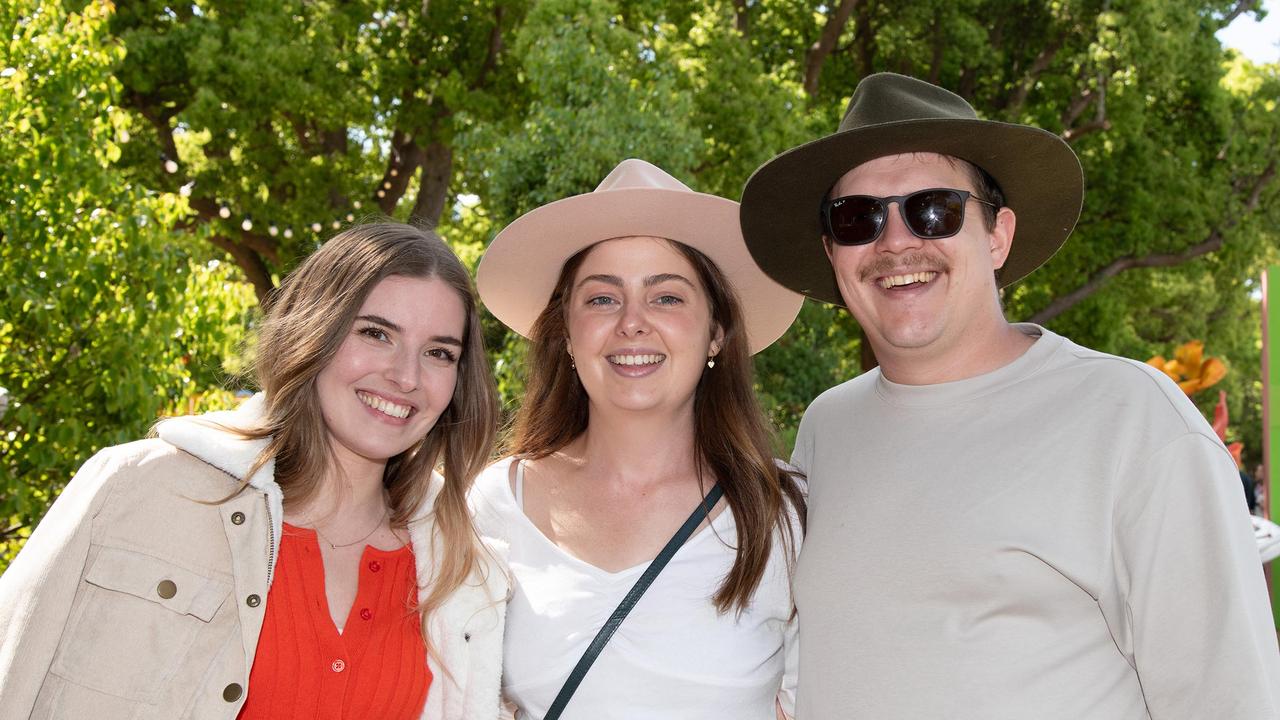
141	594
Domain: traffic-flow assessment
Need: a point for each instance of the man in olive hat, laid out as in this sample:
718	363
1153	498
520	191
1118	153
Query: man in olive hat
1002	523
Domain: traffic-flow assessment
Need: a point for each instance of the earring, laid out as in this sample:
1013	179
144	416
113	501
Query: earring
572	365
711	363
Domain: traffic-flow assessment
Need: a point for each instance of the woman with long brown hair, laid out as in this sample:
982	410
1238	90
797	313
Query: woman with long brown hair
643	308
298	557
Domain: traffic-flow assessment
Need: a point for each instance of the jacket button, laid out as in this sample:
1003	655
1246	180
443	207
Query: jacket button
232	692
237	518
253	601
338	665
166	589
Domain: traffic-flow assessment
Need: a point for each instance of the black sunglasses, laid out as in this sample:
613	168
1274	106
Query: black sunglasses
929	214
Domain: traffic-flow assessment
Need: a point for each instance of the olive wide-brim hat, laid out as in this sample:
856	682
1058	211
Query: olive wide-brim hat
892	114
519	270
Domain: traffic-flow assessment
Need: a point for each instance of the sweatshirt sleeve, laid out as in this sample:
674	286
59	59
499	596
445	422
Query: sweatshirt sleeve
37	590
1194	613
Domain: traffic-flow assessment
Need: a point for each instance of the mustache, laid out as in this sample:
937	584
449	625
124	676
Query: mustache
915	261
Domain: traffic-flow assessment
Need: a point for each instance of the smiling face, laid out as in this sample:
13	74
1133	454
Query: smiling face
640	327
394	372
921	301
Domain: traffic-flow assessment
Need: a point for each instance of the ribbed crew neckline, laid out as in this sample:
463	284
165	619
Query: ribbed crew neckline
1046	343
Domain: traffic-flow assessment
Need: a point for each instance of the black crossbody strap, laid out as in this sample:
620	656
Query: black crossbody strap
628	602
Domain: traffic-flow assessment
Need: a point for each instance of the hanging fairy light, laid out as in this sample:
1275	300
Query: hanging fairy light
316	227
185	190
170	166
351	217
246	225
272	230
288	232
224	212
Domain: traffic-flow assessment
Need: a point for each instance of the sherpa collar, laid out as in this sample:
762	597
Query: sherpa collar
207	438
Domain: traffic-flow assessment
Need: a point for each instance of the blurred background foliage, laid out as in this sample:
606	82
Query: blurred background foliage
166	163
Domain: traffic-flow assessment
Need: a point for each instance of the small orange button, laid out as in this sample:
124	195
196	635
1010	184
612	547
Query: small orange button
366	614
375	566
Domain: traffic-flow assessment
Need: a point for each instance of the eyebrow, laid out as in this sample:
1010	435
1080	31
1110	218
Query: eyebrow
649	281
379	320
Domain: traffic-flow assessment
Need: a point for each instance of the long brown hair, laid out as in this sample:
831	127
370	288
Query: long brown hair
732	439
306	320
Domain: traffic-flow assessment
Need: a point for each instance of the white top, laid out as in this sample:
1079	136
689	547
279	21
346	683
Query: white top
1062	538
674	657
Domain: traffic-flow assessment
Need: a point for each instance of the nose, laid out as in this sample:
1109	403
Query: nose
634	320
896	236
403	369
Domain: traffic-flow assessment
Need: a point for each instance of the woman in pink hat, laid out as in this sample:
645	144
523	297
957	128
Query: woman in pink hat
651	532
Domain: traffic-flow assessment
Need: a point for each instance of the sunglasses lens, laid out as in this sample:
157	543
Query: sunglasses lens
856	220
935	213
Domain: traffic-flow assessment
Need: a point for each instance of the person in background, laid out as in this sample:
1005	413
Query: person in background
297	557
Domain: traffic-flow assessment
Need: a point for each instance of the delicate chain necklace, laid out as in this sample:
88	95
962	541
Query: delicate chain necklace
385	512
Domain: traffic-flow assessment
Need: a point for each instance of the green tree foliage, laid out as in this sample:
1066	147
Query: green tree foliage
257	129
106	318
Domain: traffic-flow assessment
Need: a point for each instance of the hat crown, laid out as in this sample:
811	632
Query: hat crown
889	97
636	174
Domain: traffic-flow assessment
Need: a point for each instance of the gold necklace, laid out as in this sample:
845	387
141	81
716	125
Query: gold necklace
385	512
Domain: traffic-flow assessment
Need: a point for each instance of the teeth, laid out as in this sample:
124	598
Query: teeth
918	277
384	406
636	359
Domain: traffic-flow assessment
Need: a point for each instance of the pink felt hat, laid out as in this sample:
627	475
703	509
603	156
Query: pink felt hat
519	270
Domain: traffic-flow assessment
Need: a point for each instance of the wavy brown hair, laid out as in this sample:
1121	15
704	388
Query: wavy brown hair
306	320
733	442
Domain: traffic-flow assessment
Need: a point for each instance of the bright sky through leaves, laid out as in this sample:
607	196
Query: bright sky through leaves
1258	41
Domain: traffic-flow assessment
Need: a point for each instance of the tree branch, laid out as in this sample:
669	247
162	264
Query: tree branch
1016	99
1241	6
818	53
405	158
433	186
1077	106
495	49
251	264
741	17
1211	243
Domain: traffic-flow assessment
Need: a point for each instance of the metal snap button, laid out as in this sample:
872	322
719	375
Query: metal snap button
167	589
232	692
237	518
253	601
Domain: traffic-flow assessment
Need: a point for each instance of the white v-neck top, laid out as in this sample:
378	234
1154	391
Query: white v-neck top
674	657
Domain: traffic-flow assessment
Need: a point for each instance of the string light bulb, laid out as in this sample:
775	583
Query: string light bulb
246	225
224	212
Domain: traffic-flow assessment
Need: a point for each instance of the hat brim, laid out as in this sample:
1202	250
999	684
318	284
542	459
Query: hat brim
1040	176
520	268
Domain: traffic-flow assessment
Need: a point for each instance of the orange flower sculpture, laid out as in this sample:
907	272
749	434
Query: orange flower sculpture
1190	368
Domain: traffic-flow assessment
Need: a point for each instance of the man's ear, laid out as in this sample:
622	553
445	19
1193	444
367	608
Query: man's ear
1001	237
828	246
